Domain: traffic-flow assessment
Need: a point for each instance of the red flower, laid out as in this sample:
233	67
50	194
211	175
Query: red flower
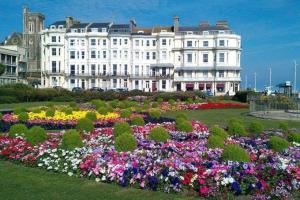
203	191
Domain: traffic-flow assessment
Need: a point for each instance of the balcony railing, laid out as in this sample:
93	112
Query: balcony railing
50	72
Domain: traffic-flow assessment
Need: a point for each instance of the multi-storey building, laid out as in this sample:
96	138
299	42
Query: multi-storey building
170	58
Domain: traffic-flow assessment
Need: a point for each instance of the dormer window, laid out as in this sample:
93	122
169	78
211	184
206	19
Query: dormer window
140	31
82	30
52	27
163	31
103	30
74	30
60	26
190	32
94	30
205	33
221	32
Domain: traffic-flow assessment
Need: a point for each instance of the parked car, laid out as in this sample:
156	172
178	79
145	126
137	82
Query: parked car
77	89
58	88
208	94
121	90
96	89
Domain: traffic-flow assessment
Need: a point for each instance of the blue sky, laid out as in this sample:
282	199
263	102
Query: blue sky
270	29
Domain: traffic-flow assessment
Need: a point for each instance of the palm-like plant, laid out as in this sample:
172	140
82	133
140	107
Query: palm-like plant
2	69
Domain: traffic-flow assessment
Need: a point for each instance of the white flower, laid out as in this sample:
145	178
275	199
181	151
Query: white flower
70	173
97	179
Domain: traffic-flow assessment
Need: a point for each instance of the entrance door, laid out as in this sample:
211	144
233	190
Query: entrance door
154	88
83	84
178	87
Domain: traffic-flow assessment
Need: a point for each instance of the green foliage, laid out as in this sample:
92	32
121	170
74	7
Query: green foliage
183	125
73	104
19	110
36	110
189	100
284	126
114	103
121	128
256	127
217	131
17	129
294	137
91	116
125	142
278	144
138	121
98	103
71	140
155	105
36	135
159	134
126	113
171	101
85	125
1	116
2	69
50	112
23	116
159	100
242	96
182	115
67	110
235	127
50	105
154	113
215	142
234	152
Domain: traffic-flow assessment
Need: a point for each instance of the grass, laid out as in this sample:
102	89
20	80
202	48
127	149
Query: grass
212	117
28	104
20	182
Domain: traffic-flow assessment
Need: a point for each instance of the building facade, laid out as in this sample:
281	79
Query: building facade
170	58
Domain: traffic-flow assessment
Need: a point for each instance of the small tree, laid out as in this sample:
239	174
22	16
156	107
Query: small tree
2	69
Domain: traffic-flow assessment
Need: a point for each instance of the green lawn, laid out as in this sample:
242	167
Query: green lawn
212	117
28	104
20	182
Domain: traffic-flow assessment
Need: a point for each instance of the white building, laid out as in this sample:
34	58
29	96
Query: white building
172	58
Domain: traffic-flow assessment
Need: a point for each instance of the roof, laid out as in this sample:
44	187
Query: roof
202	28
79	25
57	23
158	29
120	28
99	25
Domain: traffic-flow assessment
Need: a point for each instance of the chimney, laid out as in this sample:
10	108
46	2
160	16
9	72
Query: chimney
132	23
204	24
176	23
69	21
222	23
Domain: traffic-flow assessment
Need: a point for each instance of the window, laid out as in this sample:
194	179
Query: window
125	83
180	73
136	84
163	71
115	52
103	30
137	55
104	54
163	55
115	41
147	55
120	41
53	51
125	54
153	55
53	66
164	42
221	74
93	42
104	69
72	70
114	83
99	54
136	71
82	54
154	43
59	51
221	43
163	84
115	69
53	38
126	41
189	43
82	42
147	84
93	82
72	54
147	43
205	57
125	70
72	42
137	43
189	57
93	54
82	69
221	57
205	43
104	42
93	69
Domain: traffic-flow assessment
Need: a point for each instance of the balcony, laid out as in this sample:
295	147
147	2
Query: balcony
102	75
56	73
208	79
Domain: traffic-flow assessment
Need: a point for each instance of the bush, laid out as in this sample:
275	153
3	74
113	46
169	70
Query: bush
171	101
125	142
217	131
182	115
114	103
67	110
138	121
50	105
154	113
50	112
159	134
36	135
73	104
98	103
19	110
215	142
18	129
242	96
155	105
1	116
183	125
256	127
189	100
159	100
71	140
278	144
234	152
85	125
126	113
23	116
8	99
284	126
121	128
91	116
294	137
235	127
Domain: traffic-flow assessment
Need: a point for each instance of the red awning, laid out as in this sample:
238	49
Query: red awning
208	85
201	85
189	85
220	85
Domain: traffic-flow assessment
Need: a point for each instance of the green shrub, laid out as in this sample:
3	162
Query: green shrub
159	100
114	103
23	116
1	116
155	105
182	115
17	129
183	125
36	110
121	128
235	127
189	100
36	135
98	103
125	142
138	109
126	113
234	152
91	116
102	110
154	113
171	101
278	144
85	125
71	140
8	99
159	134
283	126
19	110
50	105
67	110
73	104
294	137
138	121
215	142
256	127
217	131
50	112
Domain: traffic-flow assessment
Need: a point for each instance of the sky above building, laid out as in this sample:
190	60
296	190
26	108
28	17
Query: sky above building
270	29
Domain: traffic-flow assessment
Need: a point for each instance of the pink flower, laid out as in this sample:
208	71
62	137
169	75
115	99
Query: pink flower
204	191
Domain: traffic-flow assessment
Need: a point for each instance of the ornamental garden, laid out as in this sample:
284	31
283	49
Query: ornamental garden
132	143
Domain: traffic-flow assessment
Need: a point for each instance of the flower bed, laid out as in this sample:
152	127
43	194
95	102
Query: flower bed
198	106
183	163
